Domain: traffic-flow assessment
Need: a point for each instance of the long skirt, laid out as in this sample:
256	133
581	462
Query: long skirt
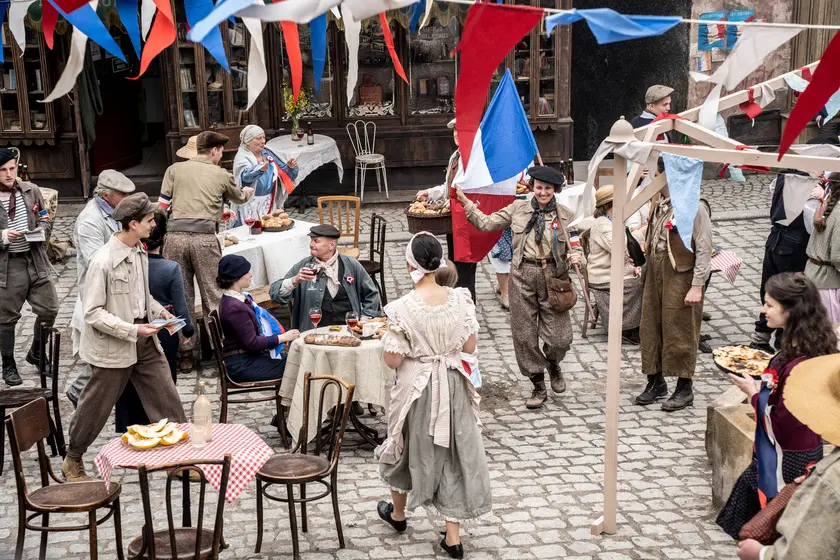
633	289
743	503
830	299
456	481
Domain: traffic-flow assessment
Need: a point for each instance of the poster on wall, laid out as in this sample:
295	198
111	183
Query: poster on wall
734	31
712	35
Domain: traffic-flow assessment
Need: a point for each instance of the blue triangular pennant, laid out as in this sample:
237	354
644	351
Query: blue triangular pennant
196	11
318	41
86	20
609	26
128	11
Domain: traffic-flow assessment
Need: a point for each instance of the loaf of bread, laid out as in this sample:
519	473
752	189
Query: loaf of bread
319	339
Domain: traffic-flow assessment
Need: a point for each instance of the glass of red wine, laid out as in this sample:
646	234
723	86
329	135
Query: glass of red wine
315	316
250	223
352	319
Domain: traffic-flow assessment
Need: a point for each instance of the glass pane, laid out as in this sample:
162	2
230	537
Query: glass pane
522	66
34	82
238	43
432	71
375	89
320	106
546	94
8	91
187	77
214	78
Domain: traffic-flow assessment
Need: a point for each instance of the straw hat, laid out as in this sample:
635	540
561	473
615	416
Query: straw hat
189	150
603	195
812	395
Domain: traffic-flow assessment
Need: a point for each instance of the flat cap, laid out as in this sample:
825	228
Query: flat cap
657	93
547	175
324	230
209	139
116	181
133	206
233	267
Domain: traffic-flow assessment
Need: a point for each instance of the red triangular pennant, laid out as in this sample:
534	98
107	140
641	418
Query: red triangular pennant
49	17
389	41
750	107
292	39
161	35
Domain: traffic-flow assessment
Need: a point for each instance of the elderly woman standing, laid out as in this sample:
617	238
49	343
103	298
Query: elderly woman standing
258	167
538	241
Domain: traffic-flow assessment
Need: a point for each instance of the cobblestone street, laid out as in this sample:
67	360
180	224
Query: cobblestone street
546	465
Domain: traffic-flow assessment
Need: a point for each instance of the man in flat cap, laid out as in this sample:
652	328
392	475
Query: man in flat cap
193	196
25	228
94	227
118	339
657	102
328	280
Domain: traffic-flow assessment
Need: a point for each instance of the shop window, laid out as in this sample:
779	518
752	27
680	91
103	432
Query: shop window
432	71
376	89
25	83
320	107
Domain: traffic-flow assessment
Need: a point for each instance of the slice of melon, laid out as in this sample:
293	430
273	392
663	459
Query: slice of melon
142	443
173	437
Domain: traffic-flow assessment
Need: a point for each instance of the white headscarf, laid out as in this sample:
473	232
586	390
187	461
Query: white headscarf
419	272
249	133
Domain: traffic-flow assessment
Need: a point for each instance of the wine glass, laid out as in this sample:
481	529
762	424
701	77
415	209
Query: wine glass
315	315
250	223
352	319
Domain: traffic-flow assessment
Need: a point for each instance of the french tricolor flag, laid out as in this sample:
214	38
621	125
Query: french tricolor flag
504	145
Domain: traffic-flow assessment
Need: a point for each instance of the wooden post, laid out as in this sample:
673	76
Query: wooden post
84	162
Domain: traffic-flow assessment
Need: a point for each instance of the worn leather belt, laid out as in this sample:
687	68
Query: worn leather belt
818	262
538	262
233	353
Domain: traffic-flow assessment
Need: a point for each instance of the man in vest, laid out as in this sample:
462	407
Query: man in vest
672	305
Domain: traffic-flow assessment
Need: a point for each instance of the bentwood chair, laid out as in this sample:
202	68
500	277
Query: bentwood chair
344	213
28	426
300	467
363	138
231	388
196	543
376	263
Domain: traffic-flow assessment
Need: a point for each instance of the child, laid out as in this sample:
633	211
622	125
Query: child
448	277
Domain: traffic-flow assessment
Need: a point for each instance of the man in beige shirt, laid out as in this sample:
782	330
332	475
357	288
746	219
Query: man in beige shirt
118	340
193	195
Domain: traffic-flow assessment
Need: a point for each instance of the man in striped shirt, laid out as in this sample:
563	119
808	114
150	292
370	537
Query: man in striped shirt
24	267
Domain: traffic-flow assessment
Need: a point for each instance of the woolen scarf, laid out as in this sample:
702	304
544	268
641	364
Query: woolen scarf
537	221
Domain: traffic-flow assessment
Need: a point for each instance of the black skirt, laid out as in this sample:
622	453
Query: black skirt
743	503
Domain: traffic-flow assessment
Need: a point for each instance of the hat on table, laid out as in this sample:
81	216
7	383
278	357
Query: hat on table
116	181
209	139
604	195
812	395
547	175
451	124
188	150
133	206
324	230
233	267
657	93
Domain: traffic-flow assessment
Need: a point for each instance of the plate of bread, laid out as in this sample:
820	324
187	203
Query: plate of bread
278	220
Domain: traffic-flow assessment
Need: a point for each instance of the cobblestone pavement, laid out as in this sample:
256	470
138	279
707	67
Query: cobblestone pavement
546	465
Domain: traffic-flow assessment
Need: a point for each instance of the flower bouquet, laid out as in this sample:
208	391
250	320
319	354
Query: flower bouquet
294	108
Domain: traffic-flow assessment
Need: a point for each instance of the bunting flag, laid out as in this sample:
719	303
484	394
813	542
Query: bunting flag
298	11
161	35
68	6
49	17
352	30
257	75
609	26
825	83
196	11
425	21
318	41
87	20
389	41
147	14
363	9
490	32
684	177
417	10
292	40
128	12
4	6
17	13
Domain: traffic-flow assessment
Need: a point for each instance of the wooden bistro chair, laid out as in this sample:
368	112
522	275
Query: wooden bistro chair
50	349
196	543
344	213
363	138
300	467
28	426
376	263
231	388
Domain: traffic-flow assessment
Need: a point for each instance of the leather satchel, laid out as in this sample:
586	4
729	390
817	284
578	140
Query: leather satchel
762	527
561	292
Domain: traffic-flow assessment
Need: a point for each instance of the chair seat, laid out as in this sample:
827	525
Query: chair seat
294	465
350	252
185	538
371	267
370	158
75	496
18	397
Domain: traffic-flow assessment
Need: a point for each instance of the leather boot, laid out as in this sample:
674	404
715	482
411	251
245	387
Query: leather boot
10	372
73	470
186	363
655	389
539	394
683	396
631	336
558	384
34	355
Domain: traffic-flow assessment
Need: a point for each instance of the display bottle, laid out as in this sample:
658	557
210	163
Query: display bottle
310	136
202	419
571	177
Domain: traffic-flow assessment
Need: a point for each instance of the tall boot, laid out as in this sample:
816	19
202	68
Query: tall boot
7	354
683	396
655	389
558	384
539	394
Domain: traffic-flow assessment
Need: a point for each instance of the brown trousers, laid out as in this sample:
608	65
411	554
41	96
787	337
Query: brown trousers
153	382
670	330
23	285
531	319
199	255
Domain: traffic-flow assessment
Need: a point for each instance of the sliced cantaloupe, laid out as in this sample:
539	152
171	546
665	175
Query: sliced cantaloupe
142	443
173	437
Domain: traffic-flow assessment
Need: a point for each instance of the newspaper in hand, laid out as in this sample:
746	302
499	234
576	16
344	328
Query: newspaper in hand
172	325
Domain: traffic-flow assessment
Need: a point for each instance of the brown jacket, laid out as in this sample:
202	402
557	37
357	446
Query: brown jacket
683	260
34	203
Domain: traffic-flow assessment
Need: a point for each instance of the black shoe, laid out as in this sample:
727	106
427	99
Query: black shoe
705	337
33	356
385	509
704	347
454	551
10	372
764	347
707	316
631	336
683	396
656	388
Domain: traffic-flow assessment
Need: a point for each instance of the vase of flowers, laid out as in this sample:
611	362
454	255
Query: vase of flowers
294	109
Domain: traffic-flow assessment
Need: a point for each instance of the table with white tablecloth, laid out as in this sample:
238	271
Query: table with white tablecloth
271	254
309	158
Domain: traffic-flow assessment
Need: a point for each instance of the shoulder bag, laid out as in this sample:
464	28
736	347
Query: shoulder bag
561	292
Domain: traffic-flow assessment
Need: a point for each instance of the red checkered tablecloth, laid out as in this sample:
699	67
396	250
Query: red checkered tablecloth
247	450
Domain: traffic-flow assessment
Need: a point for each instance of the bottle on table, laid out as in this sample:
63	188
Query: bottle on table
571	177
202	419
310	136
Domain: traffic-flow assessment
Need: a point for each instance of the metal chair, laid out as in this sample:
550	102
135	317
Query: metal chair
376	263
344	214
28	426
197	543
231	388
366	157
300	467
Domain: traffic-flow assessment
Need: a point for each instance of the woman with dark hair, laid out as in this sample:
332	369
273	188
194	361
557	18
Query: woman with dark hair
166	284
784	446
433	454
823	251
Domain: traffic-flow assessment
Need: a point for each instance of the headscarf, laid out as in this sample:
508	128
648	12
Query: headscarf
250	132
420	272
537	221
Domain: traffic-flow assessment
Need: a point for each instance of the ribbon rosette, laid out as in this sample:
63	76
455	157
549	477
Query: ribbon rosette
770	377
670	225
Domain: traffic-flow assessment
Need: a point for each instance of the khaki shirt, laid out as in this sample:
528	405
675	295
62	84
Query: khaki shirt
197	189
659	238
115	275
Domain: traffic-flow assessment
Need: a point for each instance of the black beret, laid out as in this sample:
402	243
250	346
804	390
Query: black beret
233	267
6	155
324	230
547	175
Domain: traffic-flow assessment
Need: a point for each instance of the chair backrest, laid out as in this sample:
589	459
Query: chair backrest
344	212
174	474
334	394
50	352
377	238
27	426
214	325
362	136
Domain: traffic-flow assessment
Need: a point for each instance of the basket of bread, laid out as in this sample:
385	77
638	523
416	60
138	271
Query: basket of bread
434	217
278	220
